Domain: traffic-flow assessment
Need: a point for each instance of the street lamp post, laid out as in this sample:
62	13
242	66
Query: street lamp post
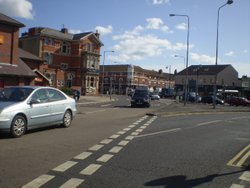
229	2
103	68
186	85
169	70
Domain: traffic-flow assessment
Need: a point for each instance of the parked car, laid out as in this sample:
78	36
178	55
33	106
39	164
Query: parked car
238	101
154	96
192	97
28	107
140	98
210	99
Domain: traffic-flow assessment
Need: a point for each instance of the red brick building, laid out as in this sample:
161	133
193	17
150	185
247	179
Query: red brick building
13	70
72	60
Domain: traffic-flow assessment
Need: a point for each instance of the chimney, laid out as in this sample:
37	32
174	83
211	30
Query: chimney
64	30
97	34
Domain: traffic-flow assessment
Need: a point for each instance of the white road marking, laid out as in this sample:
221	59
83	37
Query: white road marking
123	143
237	186
160	132
83	155
65	166
245	176
72	183
129	138
209	122
143	127
106	141
139	130
114	136
115	149
131	126
96	147
38	182
146	124
121	132
105	158
91	169
134	133
126	129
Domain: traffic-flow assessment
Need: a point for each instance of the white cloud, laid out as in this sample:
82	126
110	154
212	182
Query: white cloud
157	24
231	53
104	30
140	47
182	26
159	2
245	51
202	58
75	31
17	8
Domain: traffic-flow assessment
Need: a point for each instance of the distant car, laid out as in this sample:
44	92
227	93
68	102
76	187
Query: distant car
140	98
209	100
29	107
238	101
193	97
154	96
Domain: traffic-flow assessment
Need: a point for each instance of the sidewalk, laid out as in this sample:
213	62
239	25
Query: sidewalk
95	99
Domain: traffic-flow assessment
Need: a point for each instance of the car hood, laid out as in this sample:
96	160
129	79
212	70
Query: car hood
6	104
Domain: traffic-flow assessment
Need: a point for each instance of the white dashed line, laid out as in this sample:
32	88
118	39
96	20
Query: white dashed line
65	166
123	143
115	149
126	129
131	126
139	130
121	132
115	136
245	176
106	141
83	155
72	183
105	158
237	186
129	138
96	147
134	133
91	169
38	182
143	127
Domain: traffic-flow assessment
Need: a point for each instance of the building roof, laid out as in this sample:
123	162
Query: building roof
204	69
20	70
27	55
55	33
9	21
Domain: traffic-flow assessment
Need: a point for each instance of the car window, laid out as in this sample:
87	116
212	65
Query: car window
40	96
14	94
55	95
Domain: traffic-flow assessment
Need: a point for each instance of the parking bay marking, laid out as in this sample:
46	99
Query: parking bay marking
72	183
38	182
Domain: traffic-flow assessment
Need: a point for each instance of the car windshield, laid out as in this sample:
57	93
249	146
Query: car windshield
14	94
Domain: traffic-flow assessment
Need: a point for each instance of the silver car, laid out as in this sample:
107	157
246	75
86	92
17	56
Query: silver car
28	107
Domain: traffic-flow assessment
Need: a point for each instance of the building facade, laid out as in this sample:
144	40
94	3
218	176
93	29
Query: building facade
201	79
119	78
13	70
71	60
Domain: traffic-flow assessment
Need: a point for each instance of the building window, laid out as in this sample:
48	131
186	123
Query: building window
48	57
65	48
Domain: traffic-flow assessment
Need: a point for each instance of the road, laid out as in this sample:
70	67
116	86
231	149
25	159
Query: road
113	145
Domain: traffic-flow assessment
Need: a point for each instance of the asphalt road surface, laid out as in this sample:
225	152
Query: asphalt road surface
113	145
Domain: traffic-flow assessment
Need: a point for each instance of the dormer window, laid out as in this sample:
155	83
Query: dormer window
65	48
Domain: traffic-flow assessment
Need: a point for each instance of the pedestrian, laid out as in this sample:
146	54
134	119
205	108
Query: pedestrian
77	95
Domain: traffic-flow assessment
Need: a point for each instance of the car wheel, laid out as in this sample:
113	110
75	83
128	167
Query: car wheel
67	119
18	126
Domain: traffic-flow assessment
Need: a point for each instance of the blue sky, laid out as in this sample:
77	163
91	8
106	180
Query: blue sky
141	32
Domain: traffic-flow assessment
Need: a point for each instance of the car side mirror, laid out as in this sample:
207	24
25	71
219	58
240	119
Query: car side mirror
34	101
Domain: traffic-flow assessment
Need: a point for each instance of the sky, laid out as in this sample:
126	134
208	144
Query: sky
141	32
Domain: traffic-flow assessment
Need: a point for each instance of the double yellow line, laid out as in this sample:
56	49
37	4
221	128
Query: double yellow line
240	158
